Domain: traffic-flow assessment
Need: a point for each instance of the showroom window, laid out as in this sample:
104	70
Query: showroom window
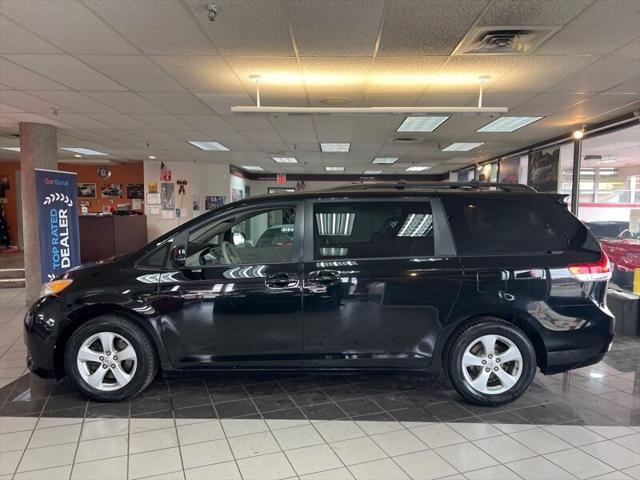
254	237
373	230
492	226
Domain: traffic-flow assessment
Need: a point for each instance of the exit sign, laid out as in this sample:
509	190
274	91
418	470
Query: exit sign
281	179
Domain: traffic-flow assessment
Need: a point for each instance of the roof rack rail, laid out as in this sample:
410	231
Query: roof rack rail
506	187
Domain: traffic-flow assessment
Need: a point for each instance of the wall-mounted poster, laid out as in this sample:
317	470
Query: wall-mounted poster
111	190
86	190
467	175
509	170
543	169
196	202
135	191
211	202
153	187
168	196
236	194
153	199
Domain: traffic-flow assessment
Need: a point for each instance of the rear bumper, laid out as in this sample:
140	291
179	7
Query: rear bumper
570	359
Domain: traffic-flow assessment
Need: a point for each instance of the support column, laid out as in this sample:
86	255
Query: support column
38	149
575	176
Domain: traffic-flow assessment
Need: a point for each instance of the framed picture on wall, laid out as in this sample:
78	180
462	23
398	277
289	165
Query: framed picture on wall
168	196
236	194
111	190
509	170
135	191
211	202
86	190
543	169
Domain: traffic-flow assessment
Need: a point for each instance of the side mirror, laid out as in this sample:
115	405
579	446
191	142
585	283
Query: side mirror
178	257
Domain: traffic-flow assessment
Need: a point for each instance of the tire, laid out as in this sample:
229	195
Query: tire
98	372
486	383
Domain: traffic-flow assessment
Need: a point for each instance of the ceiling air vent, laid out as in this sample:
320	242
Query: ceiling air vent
405	140
503	40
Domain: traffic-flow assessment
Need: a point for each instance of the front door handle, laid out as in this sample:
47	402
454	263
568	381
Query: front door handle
281	280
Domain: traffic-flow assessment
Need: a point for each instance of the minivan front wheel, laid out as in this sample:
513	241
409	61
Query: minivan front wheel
491	362
110	358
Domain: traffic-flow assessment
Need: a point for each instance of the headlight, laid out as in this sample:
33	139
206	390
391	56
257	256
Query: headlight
55	287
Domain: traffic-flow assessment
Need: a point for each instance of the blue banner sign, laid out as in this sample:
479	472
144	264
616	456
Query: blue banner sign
56	193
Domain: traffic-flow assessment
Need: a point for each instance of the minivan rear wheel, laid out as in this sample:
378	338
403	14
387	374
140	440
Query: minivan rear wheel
491	362
109	358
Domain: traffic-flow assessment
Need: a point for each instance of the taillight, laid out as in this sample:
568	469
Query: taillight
592	272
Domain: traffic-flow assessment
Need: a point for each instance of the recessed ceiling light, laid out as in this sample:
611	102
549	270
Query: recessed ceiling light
421	123
152	157
285	159
335	147
216	146
12	149
253	168
508	124
83	151
77	155
417	168
462	146
372	172
334	169
385	160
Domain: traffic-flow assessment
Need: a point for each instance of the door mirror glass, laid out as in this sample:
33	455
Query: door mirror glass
178	256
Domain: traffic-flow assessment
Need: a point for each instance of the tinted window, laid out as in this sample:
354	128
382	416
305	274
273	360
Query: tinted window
501	226
373	229
156	258
250	238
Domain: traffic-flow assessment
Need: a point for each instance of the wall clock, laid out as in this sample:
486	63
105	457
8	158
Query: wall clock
104	172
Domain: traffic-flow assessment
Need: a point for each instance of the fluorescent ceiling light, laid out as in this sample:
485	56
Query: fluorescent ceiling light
462	146
385	160
83	151
335	224
209	146
421	124
508	124
12	149
372	172
416	168
284	159
416	225
253	168
335	147
334	169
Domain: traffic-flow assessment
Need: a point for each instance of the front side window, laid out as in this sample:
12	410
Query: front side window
373	230
252	237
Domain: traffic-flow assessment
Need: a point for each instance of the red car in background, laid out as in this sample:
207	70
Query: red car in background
622	247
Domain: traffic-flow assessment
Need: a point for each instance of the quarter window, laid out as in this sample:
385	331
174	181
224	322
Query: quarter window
373	230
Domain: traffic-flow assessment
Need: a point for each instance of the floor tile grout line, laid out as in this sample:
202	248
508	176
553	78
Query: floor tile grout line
224	432
175	426
86	407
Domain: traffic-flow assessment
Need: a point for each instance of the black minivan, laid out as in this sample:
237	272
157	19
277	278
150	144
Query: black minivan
484	281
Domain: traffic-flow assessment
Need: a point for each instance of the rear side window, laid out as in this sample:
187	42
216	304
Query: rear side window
487	226
373	230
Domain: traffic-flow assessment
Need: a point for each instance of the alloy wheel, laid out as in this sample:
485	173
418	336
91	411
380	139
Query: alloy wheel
107	361
492	364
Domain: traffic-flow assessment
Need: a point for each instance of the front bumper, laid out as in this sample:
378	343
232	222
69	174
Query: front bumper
41	326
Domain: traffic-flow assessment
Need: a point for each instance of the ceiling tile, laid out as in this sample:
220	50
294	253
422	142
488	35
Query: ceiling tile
349	28
630	86
68	24
221	102
631	48
526	12
25	103
15	76
416	27
207	123
163	122
16	39
600	75
125	102
157	27
119	121
602	28
202	74
250	122
335	76
546	104
279	75
72	101
460	73
246	27
67	70
401	75
178	103
136	72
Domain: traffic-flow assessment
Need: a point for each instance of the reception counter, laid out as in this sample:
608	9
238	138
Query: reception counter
103	236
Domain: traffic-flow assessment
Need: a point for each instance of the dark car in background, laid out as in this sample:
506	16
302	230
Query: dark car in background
486	282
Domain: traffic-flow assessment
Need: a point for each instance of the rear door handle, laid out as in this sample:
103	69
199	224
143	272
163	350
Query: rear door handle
281	280
324	277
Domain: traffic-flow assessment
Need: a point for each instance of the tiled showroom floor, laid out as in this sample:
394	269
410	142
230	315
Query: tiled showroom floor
366	426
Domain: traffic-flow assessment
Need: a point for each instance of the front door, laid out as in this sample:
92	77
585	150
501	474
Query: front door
237	301
380	279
